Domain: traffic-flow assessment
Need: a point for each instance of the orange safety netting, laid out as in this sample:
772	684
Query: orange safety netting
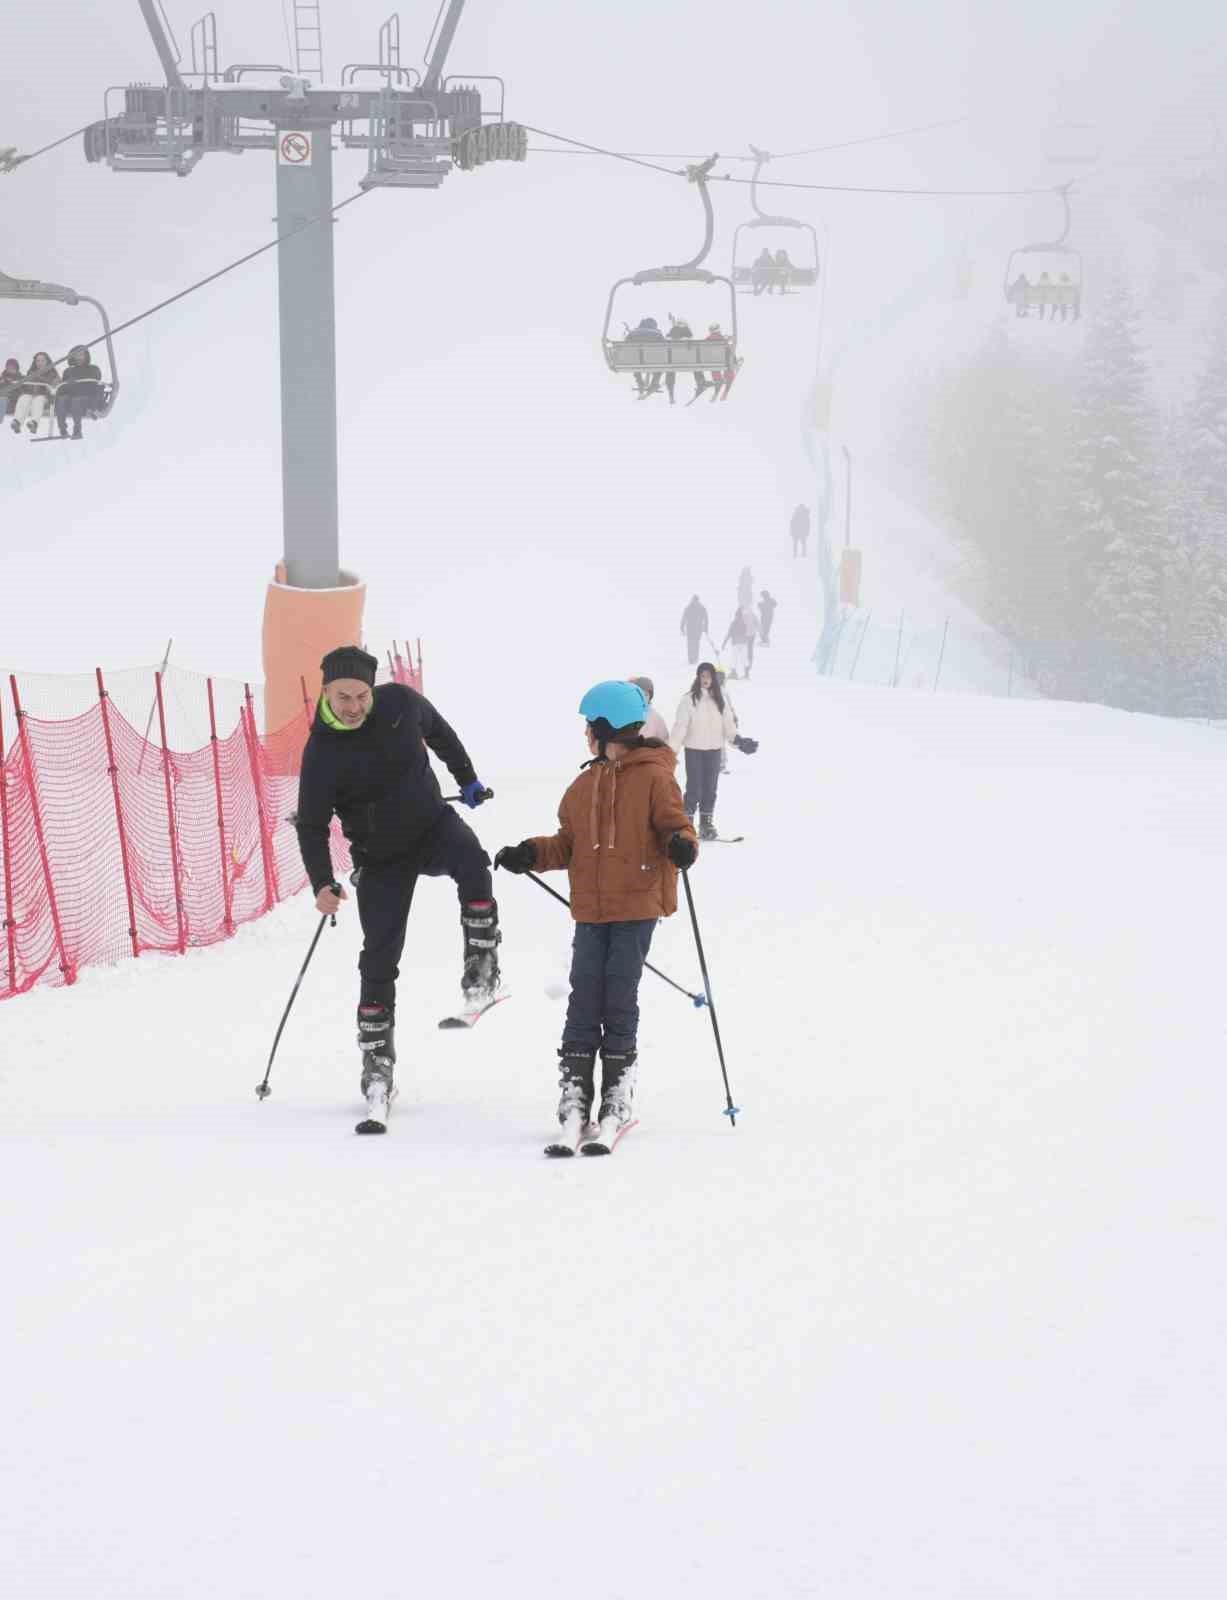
112	844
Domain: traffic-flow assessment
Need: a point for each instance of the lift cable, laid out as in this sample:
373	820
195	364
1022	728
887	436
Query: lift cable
825	188
212	277
13	161
785	155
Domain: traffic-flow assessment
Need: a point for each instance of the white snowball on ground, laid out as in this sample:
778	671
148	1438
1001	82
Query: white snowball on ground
556	988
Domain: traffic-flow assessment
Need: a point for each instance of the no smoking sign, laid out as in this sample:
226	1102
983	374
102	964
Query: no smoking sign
293	149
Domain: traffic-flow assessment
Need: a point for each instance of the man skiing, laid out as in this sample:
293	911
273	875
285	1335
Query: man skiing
694	626
623	833
366	761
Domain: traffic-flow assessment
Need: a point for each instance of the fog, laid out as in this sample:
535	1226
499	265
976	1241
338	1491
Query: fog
498	487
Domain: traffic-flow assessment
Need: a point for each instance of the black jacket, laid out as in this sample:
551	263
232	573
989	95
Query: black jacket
694	619
377	779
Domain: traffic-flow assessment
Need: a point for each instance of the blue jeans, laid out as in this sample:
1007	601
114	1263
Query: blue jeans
606	966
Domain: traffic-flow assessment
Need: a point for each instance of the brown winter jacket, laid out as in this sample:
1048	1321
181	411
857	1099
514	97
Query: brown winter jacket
616	820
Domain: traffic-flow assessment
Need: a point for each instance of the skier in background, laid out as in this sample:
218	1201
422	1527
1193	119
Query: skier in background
766	610
694	626
622	836
799	528
366	761
745	589
703	726
654	726
739	635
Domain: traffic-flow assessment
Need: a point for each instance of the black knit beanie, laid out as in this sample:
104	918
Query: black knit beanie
349	661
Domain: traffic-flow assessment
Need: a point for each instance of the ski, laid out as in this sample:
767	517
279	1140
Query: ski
608	1136
378	1105
470	1018
573	1134
736	839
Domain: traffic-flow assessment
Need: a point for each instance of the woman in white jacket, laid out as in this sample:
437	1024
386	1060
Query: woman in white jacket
704	724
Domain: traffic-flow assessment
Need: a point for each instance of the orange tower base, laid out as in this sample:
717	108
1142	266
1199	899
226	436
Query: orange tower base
300	627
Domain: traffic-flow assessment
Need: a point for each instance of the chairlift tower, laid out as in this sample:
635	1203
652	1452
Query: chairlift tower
408	123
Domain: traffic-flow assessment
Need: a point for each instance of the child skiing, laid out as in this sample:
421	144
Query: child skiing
623	834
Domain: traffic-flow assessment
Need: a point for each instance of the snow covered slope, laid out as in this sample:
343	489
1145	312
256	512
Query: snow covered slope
941	1317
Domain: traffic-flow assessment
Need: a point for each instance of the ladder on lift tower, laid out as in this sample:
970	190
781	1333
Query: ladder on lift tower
308	41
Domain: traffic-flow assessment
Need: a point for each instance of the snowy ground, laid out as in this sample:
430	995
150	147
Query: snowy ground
942	1317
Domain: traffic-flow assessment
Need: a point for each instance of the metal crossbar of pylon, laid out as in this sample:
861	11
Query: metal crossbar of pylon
308	41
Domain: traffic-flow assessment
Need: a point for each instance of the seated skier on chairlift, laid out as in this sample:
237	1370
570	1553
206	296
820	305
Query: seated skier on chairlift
762	272
1069	297
1018	292
34	395
783	270
679	328
80	392
646	329
723	378
10	383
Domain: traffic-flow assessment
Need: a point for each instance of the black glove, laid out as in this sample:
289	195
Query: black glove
681	851
746	746
520	857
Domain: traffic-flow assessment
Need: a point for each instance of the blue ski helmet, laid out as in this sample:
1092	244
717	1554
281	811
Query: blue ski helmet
616	702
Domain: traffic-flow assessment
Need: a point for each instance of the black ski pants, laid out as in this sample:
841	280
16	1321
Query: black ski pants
385	892
702	777
693	640
606	966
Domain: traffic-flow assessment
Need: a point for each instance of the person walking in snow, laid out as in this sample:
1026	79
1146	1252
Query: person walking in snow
799	528
740	635
694	626
703	726
655	726
622	836
767	604
745	588
365	761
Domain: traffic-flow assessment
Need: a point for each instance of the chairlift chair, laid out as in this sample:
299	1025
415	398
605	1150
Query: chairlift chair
797	275
33	289
717	354
1046	276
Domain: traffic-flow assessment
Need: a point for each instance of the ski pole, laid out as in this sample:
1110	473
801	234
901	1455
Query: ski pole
730	1111
696	999
262	1089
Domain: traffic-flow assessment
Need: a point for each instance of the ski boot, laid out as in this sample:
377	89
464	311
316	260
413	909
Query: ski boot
617	1094
481	978
377	1044
575	1078
707	828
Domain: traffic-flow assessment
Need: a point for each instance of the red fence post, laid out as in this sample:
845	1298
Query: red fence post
228	920
69	971
180	914
306	706
266	843
113	771
9	928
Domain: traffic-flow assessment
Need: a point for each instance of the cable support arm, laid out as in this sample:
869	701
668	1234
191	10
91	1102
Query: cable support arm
159	29
441	37
698	174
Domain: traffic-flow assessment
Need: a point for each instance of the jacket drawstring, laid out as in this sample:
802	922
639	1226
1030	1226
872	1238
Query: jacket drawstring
594	820
613	804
